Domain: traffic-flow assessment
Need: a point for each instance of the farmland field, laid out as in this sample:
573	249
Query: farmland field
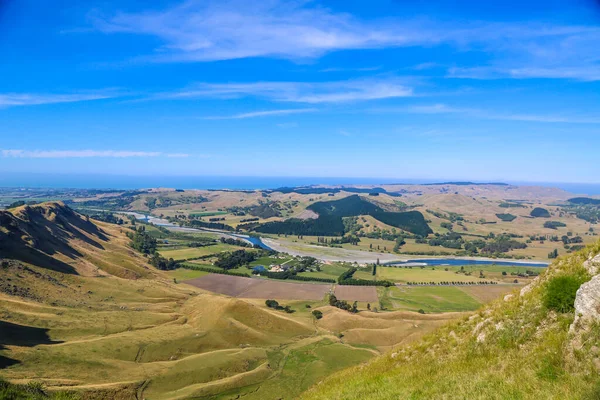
356	293
431	299
255	288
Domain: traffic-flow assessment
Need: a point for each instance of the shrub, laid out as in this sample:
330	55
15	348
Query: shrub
421	311
560	293
318	314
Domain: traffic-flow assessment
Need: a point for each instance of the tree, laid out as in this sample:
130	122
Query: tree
369	306
317	314
354	307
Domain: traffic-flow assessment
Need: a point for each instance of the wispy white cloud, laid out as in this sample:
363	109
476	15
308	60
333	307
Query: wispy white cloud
31	99
586	73
267	113
18	153
300	92
484	114
208	30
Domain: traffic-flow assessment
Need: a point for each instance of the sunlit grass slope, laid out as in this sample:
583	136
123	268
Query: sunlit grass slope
515	348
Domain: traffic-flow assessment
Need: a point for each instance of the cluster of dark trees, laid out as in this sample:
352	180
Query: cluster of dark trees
235	242
352	239
331	214
570	240
584	201
211	225
554	224
212	270
346	278
235	259
158	261
146	244
215	219
108	217
276	306
503	244
512	205
450	240
506	217
249	219
540	212
141	241
410	221
342	304
203	242
266	210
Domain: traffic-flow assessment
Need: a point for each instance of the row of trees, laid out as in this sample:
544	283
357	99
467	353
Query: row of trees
346	278
342	304
276	306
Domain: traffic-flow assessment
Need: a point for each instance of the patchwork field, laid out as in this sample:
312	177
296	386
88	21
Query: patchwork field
430	299
255	288
356	293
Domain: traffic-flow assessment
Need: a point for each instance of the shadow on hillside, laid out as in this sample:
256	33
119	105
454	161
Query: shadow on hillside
39	233
21	335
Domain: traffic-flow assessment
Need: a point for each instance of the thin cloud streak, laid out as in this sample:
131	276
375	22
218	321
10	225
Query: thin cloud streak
299	92
477	113
267	113
32	99
18	153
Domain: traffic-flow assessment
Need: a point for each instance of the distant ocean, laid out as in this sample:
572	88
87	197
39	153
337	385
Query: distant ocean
228	182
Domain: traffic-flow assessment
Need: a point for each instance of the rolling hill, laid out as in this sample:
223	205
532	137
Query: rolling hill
83	316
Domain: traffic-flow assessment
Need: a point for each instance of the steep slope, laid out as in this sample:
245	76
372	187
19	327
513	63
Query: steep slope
526	346
54	237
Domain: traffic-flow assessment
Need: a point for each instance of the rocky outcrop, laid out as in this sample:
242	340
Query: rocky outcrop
587	300
587	303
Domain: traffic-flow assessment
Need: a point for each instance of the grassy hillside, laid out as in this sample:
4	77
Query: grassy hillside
112	327
516	348
54	237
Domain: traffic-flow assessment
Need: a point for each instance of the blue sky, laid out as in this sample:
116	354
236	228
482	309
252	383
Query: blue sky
387	88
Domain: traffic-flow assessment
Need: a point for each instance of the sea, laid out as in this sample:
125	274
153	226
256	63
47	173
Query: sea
89	181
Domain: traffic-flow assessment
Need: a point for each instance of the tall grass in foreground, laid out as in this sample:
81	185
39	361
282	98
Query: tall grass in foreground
515	349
